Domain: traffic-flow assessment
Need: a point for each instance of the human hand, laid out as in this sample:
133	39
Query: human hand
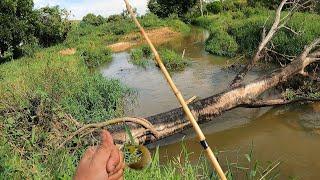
102	162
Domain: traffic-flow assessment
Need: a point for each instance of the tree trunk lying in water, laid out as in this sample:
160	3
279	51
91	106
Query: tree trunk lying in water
174	121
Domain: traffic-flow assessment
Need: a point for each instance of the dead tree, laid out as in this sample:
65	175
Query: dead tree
262	48
171	122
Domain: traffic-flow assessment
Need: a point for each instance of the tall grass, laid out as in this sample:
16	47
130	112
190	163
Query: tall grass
181	167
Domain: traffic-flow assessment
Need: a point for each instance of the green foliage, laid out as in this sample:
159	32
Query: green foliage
16	28
222	44
94	56
172	60
140	56
245	28
115	18
42	93
215	7
22	27
164	8
93	19
52	25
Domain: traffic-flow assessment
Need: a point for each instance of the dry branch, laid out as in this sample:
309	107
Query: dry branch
278	24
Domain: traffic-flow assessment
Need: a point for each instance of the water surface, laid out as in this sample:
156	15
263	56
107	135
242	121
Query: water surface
287	133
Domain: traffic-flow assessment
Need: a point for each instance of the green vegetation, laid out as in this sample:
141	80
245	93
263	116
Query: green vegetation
172	60
46	93
95	56
38	96
246	167
140	56
214	7
93	19
23	28
165	8
240	31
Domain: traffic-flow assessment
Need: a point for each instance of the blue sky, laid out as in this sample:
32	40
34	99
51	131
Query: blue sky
80	8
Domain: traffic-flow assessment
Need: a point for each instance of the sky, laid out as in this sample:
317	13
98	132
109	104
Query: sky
80	8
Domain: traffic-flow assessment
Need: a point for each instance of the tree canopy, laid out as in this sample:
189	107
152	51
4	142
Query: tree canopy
164	8
21	26
15	16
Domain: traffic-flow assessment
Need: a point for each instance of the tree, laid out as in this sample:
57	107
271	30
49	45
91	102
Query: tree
93	19
52	25
164	8
15	18
22	27
215	7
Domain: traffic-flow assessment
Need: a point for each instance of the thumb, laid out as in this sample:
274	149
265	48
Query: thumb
103	152
106	138
114	160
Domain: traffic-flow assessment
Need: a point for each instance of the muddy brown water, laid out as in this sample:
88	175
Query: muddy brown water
288	134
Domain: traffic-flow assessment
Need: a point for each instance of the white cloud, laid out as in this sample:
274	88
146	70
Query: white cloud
80	8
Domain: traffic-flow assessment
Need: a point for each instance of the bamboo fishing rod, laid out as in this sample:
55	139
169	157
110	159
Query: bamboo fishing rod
179	96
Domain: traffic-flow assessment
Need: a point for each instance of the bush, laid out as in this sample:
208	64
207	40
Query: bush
215	7
95	56
151	20
164	8
222	44
242	30
52	25
172	60
140	56
93	19
115	18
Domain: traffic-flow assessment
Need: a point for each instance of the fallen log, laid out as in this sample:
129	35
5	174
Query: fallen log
174	121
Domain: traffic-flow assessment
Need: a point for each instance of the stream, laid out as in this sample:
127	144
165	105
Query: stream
290	134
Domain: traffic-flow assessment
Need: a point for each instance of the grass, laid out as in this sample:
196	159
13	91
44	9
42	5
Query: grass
42	95
140	56
172	60
239	32
180	167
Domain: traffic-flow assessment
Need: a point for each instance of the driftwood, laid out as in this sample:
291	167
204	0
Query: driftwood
171	122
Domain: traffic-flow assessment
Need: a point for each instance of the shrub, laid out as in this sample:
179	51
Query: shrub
215	7
95	56
140	56
52	25
163	8
115	18
172	60
151	20
93	19
222	44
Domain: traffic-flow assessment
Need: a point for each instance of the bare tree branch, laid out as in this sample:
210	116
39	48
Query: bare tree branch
278	24
261	46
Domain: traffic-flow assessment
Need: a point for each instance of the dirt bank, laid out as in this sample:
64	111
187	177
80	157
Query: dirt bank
157	36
